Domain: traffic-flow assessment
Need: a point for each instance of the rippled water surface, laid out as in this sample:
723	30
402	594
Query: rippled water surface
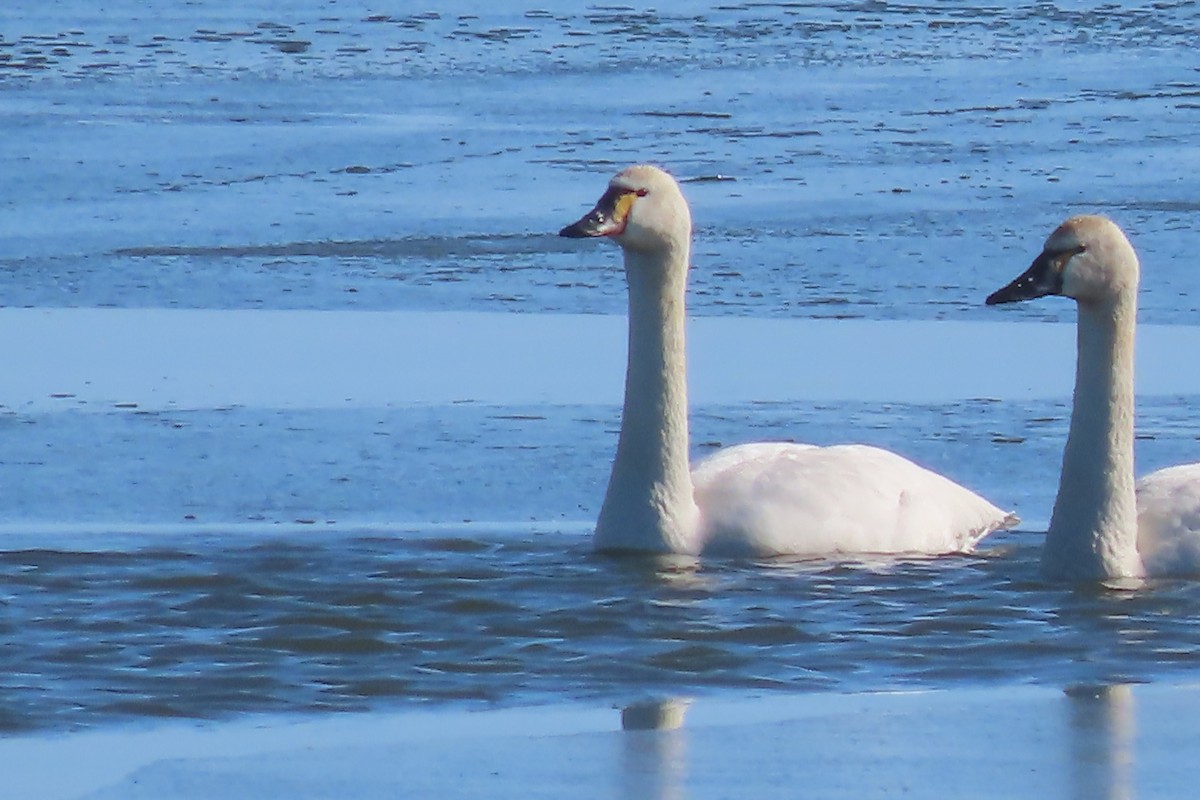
211	626
207	627
859	159
328	589
849	160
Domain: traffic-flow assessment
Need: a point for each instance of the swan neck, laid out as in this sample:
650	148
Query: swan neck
1093	528
649	504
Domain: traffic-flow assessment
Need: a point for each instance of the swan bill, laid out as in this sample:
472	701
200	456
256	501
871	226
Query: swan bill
1044	277
608	218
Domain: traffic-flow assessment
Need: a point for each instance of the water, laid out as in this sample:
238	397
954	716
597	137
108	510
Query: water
211	627
866	160
862	160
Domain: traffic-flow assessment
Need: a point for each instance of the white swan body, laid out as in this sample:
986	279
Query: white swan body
1103	525
786	498
760	499
1168	506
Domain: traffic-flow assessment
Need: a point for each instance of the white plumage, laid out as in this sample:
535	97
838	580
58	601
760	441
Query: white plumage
795	499
1103	525
1168	505
760	499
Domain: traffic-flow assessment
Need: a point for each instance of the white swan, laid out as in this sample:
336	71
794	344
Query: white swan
754	499
1103	526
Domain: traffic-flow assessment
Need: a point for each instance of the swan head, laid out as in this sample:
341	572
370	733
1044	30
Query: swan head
643	210
1087	258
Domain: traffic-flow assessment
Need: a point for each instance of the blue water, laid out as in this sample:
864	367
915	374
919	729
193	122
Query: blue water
861	160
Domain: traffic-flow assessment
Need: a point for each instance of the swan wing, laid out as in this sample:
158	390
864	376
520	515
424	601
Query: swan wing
783	498
1168	503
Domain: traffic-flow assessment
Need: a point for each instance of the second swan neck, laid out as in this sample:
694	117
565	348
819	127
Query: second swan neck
1093	528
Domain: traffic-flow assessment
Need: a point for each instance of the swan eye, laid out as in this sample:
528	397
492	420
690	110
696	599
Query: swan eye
1062	258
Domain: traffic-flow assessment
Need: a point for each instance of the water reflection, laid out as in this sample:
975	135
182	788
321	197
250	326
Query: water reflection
654	751
655	715
1102	729
669	571
1084	750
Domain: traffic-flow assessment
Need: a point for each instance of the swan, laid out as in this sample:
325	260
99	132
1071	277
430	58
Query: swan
760	499
1104	526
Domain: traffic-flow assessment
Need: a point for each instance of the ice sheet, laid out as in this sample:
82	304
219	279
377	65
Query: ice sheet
1094	742
154	359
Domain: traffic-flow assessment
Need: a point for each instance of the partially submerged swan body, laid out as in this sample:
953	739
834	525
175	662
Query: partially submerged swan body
1104	526
1168	508
761	499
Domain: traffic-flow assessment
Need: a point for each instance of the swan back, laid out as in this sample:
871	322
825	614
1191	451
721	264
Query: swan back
774	498
1169	520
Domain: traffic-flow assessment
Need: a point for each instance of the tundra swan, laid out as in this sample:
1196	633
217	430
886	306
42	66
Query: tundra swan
759	499
1105	526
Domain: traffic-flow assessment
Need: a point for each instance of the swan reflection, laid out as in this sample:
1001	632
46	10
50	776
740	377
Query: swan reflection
1103	731
654	749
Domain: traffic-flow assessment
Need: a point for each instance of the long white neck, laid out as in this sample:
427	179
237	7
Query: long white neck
1093	529
649	505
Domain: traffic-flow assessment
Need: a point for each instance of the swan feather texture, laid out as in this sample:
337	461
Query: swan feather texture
759	499
769	498
1104	526
1168	509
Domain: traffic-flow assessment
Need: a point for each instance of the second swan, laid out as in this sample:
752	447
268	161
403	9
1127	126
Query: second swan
1103	525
